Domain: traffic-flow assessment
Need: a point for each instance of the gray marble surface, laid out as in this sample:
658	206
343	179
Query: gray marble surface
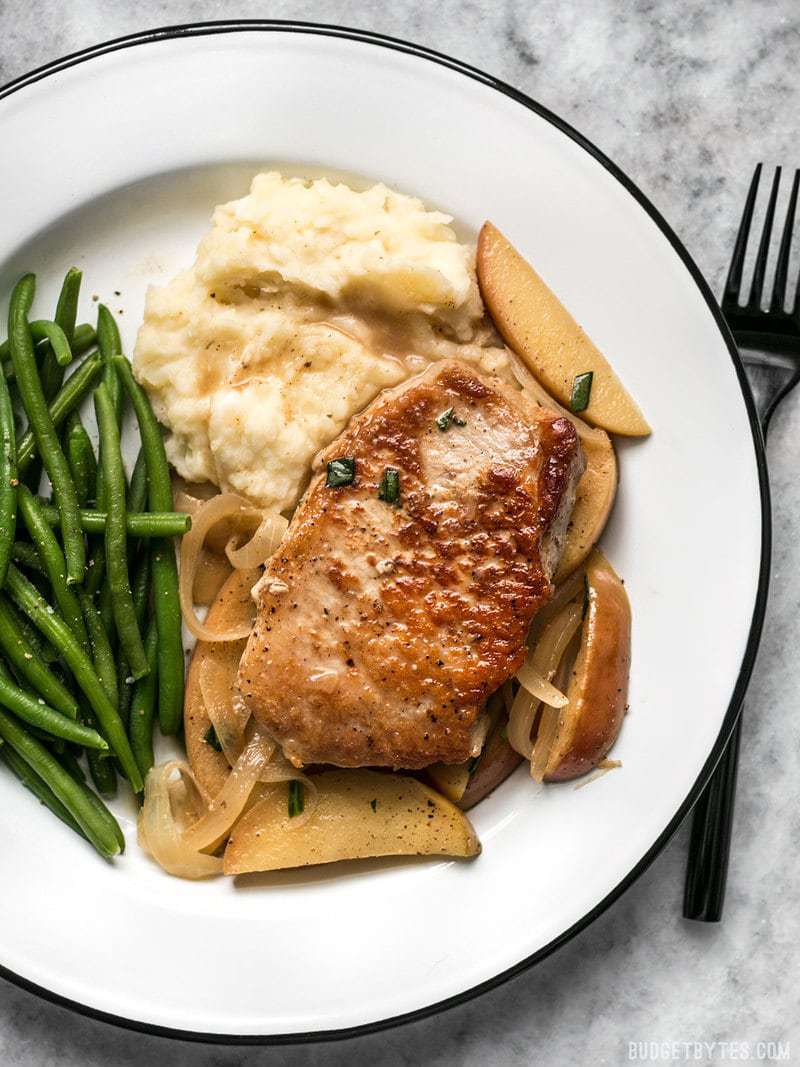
686	96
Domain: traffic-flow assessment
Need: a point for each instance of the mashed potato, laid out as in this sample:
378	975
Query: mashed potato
306	299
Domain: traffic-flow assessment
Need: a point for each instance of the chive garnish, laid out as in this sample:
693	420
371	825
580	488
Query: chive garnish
374	804
341	471
297	799
448	417
473	763
210	738
389	489
504	732
581	391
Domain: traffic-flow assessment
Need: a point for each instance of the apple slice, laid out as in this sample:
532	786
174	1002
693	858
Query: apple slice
598	691
537	326
357	814
593	499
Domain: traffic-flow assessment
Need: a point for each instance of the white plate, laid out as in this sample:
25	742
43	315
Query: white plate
118	156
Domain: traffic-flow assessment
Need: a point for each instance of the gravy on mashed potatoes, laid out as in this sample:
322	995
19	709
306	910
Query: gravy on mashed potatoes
305	300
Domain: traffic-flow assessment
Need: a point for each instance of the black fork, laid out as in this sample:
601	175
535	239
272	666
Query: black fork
770	340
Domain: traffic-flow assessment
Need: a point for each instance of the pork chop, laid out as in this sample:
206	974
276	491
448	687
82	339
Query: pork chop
401	596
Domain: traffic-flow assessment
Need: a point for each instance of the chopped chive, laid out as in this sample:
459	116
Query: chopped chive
341	472
296	798
581	391
448	417
210	738
504	732
389	489
374	804
585	597
473	763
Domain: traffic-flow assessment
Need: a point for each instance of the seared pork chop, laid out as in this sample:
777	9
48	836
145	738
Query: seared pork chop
401	599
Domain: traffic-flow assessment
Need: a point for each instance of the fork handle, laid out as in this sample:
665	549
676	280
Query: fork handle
712	820
710	844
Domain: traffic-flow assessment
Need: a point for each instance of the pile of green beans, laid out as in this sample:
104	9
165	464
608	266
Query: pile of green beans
90	628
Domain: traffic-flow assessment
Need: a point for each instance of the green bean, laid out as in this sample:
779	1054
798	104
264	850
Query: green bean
103	772
42	648
25	554
98	803
101	769
97	823
53	562
147	524
82	340
69	763
40	789
137	493
38	714
102	653
69	396
84	337
96	567
8	478
61	637
164	567
143	706
110	345
44	431
52	368
28	665
44	330
80	456
116	538
106	609
141	593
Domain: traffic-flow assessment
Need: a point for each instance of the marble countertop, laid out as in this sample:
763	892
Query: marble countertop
686	96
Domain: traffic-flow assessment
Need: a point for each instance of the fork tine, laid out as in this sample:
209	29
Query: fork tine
733	285
782	266
757	288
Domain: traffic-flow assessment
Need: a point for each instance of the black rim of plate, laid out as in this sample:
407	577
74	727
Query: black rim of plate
202	29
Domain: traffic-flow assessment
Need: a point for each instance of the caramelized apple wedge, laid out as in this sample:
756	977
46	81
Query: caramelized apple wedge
537	326
356	814
598	690
593	500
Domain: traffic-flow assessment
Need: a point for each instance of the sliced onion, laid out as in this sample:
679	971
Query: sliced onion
211	574
567	591
520	722
229	716
261	545
559	641
228	804
213	511
540	666
258	762
538	686
551	646
545	738
172	801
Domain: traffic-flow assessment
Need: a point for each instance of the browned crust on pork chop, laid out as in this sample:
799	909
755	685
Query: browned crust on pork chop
382	629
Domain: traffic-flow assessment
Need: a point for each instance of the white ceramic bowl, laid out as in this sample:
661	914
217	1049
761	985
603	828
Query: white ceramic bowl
119	154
